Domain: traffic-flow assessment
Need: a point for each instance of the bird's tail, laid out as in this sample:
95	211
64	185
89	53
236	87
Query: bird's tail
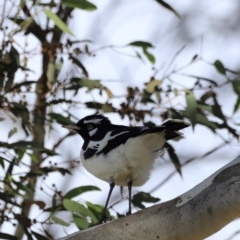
172	126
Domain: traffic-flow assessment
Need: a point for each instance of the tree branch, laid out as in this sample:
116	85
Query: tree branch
194	215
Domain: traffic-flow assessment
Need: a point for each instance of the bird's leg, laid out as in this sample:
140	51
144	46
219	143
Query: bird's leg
129	197
103	217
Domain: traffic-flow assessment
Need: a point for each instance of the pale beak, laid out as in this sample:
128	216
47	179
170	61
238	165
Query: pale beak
71	127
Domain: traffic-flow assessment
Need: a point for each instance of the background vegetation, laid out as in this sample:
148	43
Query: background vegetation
34	105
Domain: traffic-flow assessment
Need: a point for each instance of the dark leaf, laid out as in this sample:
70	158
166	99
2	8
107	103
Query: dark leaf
94	105
143	197
59	101
39	203
33	28
18	85
236	86
7	236
149	56
219	66
141	44
195	57
146	97
97	210
79	64
207	95
166	5
173	156
60	119
2	162
80	190
237	104
39	236
82	4
217	110
149	124
203	78
176	114
191	107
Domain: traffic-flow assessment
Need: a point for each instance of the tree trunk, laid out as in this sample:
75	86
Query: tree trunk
194	215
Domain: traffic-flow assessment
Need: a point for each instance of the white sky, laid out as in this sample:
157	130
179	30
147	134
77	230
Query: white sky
121	22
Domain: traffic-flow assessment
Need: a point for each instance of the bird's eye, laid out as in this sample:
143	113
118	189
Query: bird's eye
89	127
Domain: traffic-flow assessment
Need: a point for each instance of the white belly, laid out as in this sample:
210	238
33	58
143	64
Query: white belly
130	161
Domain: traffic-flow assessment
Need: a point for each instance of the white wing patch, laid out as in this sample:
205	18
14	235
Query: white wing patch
95	121
102	143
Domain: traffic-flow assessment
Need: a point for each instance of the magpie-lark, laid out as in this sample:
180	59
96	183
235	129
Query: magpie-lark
122	155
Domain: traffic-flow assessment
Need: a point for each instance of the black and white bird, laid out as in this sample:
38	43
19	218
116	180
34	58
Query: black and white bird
122	155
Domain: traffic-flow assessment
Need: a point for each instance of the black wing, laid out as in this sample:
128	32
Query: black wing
172	127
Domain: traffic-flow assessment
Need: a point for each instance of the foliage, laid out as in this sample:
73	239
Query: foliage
53	93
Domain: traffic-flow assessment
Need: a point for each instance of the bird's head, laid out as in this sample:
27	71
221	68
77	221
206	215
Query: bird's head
88	126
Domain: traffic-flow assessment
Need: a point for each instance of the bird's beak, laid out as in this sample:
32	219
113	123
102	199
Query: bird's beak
71	127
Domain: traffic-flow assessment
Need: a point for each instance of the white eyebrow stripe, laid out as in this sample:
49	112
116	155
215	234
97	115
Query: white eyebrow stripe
95	120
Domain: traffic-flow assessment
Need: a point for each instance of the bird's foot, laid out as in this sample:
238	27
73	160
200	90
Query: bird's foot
128	213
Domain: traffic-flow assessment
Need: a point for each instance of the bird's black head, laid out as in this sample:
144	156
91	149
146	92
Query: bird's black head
87	126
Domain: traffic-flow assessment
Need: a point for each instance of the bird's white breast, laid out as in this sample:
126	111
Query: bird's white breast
130	161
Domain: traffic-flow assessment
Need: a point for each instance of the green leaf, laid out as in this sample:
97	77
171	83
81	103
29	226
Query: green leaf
150	86
144	46
76	207
236	86
82	4
80	190
191	107
7	236
107	107
174	158
58	22
97	210
166	5
80	222
150	57
219	66
141	44
90	84
143	197
12	132
201	119
237	104
2	119
58	68
60	119
146	97
59	221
